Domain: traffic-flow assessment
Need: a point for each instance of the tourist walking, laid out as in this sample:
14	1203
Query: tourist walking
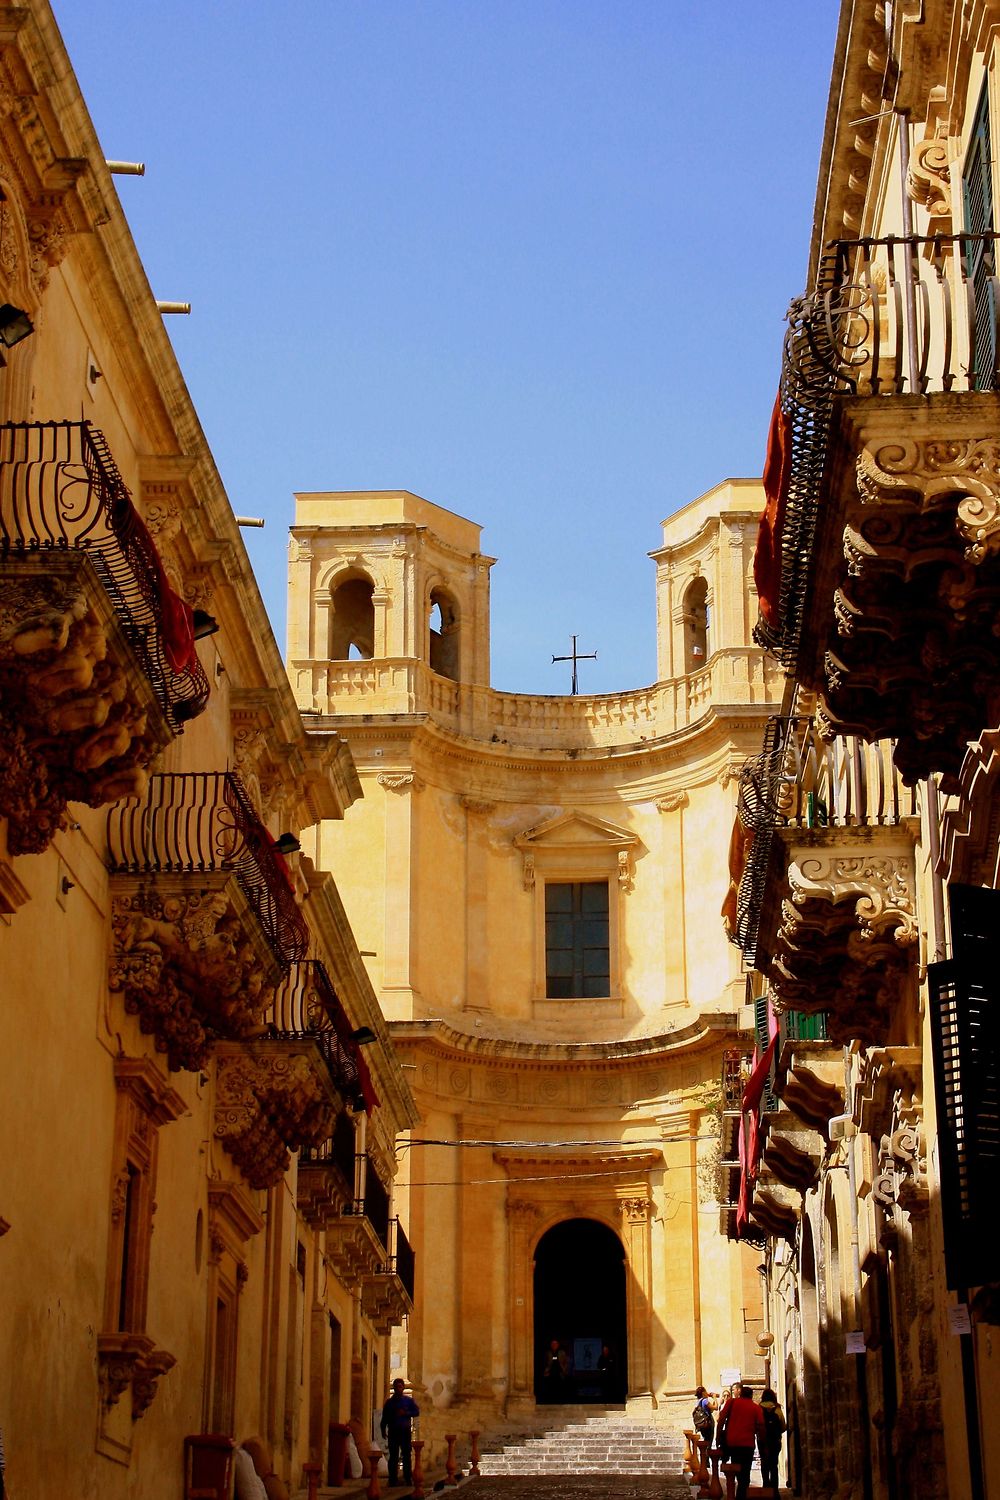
397	1425
774	1424
741	1427
703	1415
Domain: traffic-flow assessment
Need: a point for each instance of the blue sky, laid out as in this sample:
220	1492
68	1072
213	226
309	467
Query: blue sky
528	258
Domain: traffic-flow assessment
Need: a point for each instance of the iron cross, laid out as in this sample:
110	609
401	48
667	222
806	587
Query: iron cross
574	658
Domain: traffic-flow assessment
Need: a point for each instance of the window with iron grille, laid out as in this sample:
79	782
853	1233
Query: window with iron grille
965	1038
577	940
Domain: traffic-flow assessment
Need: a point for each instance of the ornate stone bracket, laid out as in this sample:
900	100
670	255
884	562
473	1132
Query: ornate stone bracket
270	1098
940	472
928	180
384	1302
130	1359
192	963
79	720
847	927
400	781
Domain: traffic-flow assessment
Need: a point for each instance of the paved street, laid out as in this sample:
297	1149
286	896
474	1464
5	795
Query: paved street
578	1487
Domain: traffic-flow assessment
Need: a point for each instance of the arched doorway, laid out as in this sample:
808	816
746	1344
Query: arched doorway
579	1301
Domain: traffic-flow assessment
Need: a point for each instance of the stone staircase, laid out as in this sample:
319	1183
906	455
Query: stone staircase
604	1442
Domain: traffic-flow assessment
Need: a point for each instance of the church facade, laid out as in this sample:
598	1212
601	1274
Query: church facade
535	881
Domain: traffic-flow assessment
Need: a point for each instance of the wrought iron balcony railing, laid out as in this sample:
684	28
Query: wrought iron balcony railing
61	492
204	822
307	1008
336	1154
371	1198
888	317
401	1261
801	780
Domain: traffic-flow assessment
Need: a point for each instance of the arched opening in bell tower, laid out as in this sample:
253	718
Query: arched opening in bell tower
352	619
580	1322
444	634
696	623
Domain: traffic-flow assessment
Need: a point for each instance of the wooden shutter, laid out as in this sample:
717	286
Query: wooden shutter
965	1037
977	196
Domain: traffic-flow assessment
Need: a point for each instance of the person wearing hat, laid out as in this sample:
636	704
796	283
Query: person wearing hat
396	1425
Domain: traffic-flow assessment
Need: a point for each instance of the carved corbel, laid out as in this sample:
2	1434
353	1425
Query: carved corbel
626	873
935	471
400	781
148	1372
671	802
928	180
189	966
881	886
119	1356
267	1102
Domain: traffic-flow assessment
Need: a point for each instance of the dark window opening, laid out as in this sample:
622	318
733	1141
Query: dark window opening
577	945
352	620
128	1274
696	623
444	635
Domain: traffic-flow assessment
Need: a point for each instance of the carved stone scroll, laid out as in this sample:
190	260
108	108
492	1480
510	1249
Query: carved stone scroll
270	1097
928	180
189	957
79	720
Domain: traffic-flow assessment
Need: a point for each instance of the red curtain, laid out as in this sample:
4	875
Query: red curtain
777	472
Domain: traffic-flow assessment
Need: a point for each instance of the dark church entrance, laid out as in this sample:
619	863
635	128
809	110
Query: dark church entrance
580	1320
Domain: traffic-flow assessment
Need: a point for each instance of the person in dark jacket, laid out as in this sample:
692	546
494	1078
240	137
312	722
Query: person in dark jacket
774	1425
396	1425
741	1426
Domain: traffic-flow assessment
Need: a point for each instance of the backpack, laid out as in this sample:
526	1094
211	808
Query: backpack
702	1417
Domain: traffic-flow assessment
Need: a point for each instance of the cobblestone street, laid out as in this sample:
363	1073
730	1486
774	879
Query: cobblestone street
578	1487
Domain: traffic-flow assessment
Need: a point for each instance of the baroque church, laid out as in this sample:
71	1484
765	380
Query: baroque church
362	1021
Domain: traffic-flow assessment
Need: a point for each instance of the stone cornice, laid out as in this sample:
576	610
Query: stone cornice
443	1040
556	1165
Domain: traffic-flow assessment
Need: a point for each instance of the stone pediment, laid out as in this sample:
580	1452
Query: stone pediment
575	842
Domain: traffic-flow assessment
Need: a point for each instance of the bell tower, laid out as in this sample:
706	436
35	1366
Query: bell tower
384	578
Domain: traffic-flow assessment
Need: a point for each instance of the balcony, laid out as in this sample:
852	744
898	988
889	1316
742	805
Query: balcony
387	1297
538	722
882	580
326	1176
204	918
357	1244
825	907
98	670
307	1008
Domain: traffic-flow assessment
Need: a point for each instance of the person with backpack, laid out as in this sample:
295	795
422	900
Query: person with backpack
774	1424
703	1415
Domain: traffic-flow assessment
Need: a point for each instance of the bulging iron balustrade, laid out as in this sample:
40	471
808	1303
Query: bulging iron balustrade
204	822
61	492
804	780
307	1008
897	316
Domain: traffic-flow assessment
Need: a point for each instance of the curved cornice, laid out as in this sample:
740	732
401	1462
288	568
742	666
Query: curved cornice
439	1036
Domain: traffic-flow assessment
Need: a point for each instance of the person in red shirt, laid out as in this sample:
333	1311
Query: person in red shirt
741	1425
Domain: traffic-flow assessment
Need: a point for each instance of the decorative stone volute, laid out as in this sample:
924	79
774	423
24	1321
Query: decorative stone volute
271	1097
79	720
191	962
848	927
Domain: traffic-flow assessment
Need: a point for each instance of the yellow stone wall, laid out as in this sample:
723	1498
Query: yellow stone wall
472	800
64	1033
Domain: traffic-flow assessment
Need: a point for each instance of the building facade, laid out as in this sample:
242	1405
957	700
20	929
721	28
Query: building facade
866	853
197	1229
532	878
